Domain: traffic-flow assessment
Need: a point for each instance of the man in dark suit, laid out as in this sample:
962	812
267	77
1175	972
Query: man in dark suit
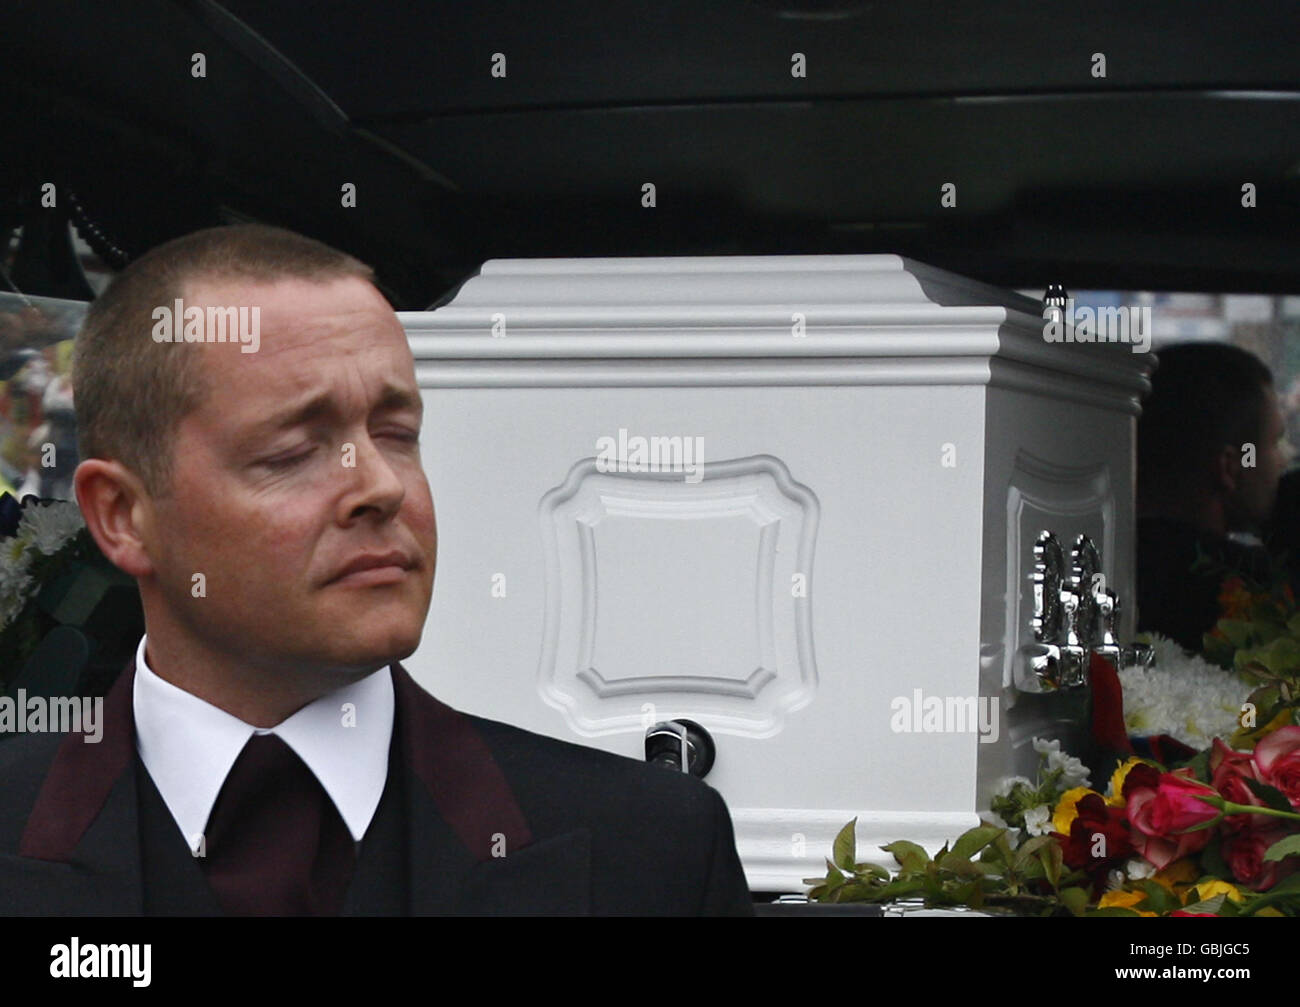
249	420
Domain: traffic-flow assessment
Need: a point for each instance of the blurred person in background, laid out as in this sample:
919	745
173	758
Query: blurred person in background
1211	450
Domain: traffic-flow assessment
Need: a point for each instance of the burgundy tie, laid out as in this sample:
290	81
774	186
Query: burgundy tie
275	843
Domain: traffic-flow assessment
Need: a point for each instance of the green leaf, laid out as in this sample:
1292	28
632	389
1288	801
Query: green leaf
1238	631
854	891
1029	852
930	880
898	889
1111	911
1034	870
871	871
845	846
1199	764
963	894
1159	899
910	856
959	865
1281	656
1050	857
998	853
1214	904
1284	893
1287	846
971	842
1074	899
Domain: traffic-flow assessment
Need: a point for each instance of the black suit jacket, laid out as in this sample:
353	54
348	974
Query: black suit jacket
584	831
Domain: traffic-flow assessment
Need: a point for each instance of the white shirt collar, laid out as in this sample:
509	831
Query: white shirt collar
188	745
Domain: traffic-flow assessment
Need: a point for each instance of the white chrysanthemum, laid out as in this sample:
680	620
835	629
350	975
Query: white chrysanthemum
15	581
1138	869
15	558
1046	746
1114	881
49	527
1074	772
1183	696
1038	821
1008	784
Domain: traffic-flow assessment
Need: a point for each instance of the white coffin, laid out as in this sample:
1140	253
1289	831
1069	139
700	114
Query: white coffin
886	436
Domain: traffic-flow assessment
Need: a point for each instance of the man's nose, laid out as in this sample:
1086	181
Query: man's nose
375	484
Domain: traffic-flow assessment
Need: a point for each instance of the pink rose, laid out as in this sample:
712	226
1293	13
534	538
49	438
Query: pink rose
1177	805
1156	848
1243	852
1230	770
1278	757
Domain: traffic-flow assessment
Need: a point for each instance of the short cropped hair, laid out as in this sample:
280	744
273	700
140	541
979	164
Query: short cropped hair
1204	397
130	393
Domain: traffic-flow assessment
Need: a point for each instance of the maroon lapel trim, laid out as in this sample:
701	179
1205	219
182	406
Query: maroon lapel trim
80	778
440	745
454	763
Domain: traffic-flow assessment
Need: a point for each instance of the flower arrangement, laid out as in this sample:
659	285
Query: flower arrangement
1217	833
51	572
1182	696
1217	837
1258	636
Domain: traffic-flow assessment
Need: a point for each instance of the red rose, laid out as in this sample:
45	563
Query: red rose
1178	805
1230	770
1278	757
1099	836
1243	852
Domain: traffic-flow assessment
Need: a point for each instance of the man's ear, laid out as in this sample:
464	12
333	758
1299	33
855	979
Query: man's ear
118	513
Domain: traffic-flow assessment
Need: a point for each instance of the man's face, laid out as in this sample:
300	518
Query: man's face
1257	490
269	502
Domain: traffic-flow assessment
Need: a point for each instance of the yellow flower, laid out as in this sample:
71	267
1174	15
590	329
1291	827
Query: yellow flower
1283	719
1177	877
1066	811
1209	889
1116	799
1125	900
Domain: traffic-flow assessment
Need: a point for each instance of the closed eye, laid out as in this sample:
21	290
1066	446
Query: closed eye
406	436
284	463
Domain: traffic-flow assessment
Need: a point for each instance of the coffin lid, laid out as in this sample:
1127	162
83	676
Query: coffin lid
732	320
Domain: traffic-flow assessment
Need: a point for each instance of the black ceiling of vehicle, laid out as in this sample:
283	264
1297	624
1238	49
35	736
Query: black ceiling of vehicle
1131	181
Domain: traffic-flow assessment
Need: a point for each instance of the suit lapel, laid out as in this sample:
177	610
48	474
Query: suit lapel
470	846
472	850
80	848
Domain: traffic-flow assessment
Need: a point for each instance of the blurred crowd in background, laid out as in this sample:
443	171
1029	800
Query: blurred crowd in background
38	438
